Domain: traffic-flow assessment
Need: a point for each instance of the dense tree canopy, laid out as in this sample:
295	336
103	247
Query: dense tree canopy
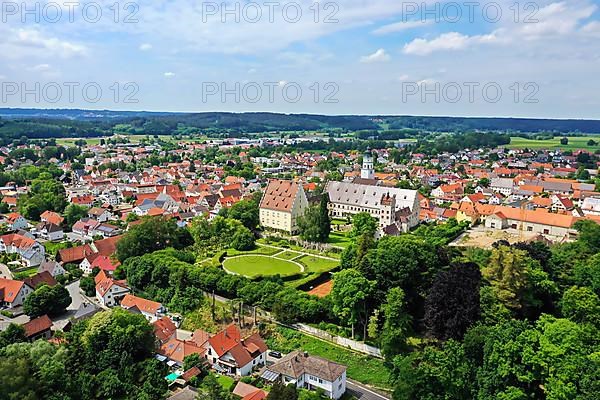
153	233
51	300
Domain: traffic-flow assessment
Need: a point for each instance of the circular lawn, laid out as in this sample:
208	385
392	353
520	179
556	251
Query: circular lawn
253	266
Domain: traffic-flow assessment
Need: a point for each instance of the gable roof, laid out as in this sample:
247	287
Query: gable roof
107	247
41	278
9	289
177	349
75	254
37	325
143	305
164	328
52	217
243	351
280	195
297	363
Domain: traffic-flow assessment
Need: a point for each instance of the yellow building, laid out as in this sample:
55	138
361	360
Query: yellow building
281	205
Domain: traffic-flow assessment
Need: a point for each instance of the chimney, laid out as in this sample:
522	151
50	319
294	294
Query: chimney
306	354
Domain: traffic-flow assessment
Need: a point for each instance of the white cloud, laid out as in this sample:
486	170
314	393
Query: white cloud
377	57
169	74
40	68
401	26
593	28
145	47
446	42
403	78
282	83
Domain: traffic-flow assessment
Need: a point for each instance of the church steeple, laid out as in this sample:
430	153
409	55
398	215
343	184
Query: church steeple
367	171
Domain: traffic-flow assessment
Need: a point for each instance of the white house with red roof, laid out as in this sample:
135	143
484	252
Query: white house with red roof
16	221
13	293
151	310
109	291
32	252
228	352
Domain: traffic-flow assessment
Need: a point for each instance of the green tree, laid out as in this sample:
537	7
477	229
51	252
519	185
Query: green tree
88	285
45	193
324	220
581	304
397	324
51	300
309	225
245	211
153	233
243	239
350	297
74	213
363	223
12	334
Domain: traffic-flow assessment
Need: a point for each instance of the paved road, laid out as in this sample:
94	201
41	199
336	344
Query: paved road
77	300
363	393
5	272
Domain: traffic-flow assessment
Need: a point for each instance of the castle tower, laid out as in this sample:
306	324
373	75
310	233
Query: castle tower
367	171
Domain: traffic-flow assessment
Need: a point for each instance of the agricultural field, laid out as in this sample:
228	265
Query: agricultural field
254	266
575	143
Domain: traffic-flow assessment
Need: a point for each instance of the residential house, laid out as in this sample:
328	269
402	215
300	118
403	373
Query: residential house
16	221
38	328
74	255
308	372
249	392
99	214
52	267
13	293
281	205
109	291
32	253
151	310
40	278
228	352
164	329
49	231
177	350
52	217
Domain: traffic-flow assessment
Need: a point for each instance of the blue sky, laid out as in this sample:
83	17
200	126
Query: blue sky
370	57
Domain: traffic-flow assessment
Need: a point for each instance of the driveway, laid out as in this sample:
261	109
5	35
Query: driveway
77	300
362	392
5	272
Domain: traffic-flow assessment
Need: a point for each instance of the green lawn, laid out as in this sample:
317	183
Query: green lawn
268	251
317	264
254	266
225	381
288	255
575	143
367	370
340	239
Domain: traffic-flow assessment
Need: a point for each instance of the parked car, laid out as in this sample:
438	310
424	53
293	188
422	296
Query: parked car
275	354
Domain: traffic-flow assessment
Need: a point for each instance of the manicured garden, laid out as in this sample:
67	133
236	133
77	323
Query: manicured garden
254	266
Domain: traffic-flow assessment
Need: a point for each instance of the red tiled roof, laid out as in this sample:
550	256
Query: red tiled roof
75	254
37	325
164	328
144	305
107	247
9	289
279	195
52	217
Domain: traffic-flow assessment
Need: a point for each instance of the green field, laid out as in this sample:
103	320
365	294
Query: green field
288	255
317	264
575	143
254	266
367	370
339	239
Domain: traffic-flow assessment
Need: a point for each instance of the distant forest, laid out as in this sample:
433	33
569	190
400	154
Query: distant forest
36	124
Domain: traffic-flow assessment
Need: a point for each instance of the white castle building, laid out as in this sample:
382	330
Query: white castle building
396	209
